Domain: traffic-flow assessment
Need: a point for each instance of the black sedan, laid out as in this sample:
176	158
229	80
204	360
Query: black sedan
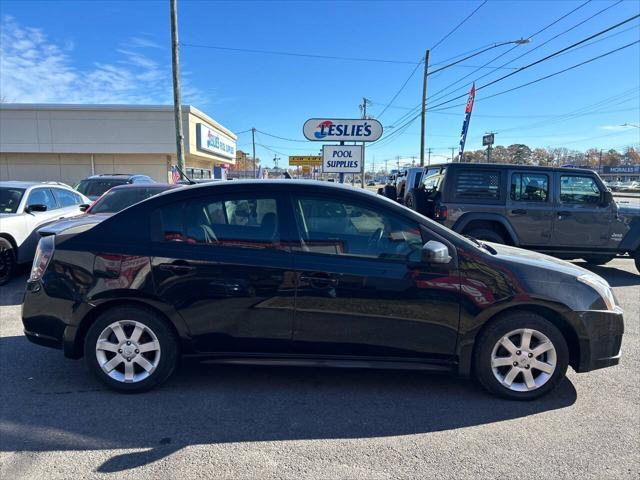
310	273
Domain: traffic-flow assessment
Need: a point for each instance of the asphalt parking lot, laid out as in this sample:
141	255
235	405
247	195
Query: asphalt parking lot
263	422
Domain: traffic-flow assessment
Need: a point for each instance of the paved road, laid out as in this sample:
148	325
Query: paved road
259	422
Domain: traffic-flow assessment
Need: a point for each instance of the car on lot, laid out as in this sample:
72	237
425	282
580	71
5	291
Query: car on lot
25	206
309	273
96	185
631	186
113	201
565	212
402	183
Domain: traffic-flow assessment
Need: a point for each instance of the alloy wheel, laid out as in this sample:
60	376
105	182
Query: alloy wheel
128	351
523	360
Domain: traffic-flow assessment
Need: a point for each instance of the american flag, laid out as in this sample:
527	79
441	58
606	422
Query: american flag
175	175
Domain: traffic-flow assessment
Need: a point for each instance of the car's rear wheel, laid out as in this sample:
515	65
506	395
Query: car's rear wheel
598	259
521	356
637	259
415	201
130	349
487	235
7	261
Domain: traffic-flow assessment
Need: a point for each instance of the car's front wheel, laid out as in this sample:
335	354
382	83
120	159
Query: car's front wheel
521	356
130	349
7	260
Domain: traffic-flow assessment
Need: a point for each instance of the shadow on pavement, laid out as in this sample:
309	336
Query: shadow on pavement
51	403
12	293
615	276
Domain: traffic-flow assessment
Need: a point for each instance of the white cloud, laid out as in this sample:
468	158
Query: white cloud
34	69
615	128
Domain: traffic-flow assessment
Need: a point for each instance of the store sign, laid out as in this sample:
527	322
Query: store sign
208	140
342	130
488	139
341	158
302	161
622	169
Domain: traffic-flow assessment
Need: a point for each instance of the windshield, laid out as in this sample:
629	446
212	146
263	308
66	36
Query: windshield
10	199
119	199
95	188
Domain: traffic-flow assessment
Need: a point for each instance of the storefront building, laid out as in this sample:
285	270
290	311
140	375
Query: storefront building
70	142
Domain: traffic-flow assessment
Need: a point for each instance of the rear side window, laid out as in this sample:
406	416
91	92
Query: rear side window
42	196
66	198
527	187
477	184
240	222
432	179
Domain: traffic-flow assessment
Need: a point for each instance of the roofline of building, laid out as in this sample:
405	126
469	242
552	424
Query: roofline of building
115	107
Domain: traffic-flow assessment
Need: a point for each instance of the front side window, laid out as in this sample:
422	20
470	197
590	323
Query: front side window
66	198
42	196
478	184
344	228
527	187
432	179
241	222
10	199
579	190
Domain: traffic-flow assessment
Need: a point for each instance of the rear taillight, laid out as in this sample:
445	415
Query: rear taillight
44	252
441	213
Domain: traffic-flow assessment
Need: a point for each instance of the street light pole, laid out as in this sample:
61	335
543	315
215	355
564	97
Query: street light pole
177	100
424	106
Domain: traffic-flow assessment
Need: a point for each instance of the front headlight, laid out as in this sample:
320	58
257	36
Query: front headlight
602	287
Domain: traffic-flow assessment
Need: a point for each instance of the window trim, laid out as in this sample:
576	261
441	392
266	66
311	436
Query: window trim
587	205
522	172
298	238
50	192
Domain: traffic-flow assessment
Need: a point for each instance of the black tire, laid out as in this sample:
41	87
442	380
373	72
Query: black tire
496	331
487	235
598	259
7	261
390	192
637	259
415	200
168	354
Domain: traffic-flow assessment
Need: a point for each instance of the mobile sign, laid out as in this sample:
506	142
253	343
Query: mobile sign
341	158
302	161
488	139
342	130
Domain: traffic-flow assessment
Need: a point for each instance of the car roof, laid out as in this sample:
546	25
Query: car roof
503	166
119	176
28	184
145	186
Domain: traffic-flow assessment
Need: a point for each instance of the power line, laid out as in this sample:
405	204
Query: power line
294	54
281	138
459	25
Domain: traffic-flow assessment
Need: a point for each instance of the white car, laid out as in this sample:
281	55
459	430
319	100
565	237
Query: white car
25	206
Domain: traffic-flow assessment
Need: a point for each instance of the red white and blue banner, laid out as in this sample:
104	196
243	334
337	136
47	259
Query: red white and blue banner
467	119
175	175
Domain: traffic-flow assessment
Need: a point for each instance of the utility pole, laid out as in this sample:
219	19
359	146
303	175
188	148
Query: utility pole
424	106
386	169
452	150
429	161
177	99
600	162
253	141
364	116
398	162
275	161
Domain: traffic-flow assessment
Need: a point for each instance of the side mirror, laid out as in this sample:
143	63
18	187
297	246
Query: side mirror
435	252
36	207
84	207
607	198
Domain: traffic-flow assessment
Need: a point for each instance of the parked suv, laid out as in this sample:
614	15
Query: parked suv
565	212
25	206
402	183
96	185
310	273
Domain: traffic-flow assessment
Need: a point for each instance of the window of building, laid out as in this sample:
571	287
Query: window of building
198	173
66	198
344	228
42	196
478	184
242	222
579	190
527	187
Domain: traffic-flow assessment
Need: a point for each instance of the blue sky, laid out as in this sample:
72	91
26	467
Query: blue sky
118	52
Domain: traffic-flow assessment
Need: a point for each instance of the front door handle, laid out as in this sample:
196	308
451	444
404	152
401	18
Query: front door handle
178	268
519	211
564	213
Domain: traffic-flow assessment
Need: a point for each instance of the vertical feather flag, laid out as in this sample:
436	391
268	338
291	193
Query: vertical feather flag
467	119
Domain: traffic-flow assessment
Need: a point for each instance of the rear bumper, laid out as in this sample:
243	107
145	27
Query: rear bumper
601	341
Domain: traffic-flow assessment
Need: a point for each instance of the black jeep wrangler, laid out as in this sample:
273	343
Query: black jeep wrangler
565	212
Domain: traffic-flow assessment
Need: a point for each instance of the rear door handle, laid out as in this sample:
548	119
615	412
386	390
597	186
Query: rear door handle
519	211
179	268
319	281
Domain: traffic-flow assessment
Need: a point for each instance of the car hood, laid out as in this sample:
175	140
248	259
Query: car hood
535	259
60	226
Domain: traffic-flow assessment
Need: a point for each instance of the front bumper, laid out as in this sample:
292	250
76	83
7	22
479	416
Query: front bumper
600	339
